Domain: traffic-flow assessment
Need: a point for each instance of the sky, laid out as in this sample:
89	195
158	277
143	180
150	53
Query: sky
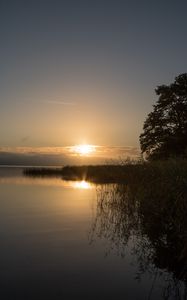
84	72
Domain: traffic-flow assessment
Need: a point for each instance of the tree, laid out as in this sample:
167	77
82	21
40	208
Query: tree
165	128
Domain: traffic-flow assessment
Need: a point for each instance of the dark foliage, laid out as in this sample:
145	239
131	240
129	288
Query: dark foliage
165	129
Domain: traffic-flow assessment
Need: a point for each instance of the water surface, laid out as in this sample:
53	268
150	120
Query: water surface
59	240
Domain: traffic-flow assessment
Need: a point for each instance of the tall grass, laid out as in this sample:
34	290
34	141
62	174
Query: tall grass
151	210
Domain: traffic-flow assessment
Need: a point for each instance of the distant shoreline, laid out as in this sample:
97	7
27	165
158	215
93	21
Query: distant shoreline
92	173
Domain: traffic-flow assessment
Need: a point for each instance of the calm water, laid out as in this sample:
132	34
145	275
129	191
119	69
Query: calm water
57	242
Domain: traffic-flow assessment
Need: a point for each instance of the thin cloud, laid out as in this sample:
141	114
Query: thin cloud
118	151
100	151
63	155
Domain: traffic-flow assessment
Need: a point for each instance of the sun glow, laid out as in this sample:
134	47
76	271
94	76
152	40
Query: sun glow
83	150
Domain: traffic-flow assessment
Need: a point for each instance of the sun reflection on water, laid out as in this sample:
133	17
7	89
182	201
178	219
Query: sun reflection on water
58	182
82	185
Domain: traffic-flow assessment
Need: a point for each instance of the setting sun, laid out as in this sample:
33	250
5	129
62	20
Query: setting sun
83	150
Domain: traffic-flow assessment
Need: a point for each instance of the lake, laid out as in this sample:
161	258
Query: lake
62	240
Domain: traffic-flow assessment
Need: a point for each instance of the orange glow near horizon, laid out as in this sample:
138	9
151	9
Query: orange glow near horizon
83	150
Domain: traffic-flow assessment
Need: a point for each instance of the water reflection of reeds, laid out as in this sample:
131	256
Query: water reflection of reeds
152	217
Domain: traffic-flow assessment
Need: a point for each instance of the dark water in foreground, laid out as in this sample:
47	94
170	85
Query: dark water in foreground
74	240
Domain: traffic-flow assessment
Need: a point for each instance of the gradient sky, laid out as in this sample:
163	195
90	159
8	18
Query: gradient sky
85	71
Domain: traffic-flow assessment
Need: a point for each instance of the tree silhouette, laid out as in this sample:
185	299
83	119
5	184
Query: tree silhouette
165	129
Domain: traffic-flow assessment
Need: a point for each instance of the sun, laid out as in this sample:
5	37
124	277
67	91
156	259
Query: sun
83	150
